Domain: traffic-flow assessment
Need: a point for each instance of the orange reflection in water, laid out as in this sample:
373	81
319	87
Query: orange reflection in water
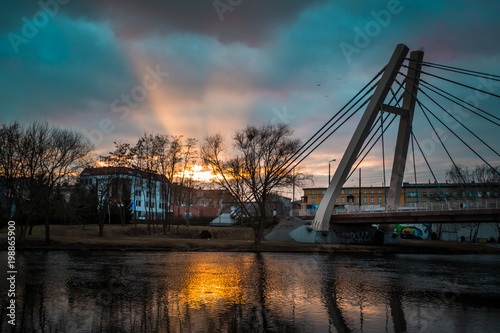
211	283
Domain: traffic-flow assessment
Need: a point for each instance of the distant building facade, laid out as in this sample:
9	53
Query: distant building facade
412	195
146	190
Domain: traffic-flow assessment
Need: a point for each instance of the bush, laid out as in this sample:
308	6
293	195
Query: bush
491	240
462	238
205	234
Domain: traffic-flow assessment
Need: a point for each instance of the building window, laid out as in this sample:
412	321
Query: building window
379	199
479	194
147	203
322	192
343	199
372	199
364	191
372	191
138	203
313	192
424	194
357	199
412	194
137	193
349	191
343	192
364	200
337	200
313	200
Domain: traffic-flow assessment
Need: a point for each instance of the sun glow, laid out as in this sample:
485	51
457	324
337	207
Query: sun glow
199	173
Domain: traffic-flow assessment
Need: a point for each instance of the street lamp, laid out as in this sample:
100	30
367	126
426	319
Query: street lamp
329	179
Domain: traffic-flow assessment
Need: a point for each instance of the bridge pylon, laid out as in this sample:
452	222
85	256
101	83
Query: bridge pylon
376	104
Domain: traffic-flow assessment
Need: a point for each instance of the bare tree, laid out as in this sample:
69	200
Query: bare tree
255	171
473	230
42	157
146	152
185	178
104	193
11	162
121	157
171	159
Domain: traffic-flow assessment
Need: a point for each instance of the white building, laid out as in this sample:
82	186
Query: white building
145	189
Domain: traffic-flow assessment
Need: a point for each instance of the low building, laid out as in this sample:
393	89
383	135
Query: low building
370	196
426	195
147	191
451	195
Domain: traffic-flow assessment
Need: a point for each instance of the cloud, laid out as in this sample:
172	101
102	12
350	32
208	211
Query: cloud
251	22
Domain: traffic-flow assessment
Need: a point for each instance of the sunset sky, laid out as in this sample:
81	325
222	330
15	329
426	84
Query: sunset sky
116	69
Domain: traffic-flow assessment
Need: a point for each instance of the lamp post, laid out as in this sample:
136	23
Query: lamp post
329	178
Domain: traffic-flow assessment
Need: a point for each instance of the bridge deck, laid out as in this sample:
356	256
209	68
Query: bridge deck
404	217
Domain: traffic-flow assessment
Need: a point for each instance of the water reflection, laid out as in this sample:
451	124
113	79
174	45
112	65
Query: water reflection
248	292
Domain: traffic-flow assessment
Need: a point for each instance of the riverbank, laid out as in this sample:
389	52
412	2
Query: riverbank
224	239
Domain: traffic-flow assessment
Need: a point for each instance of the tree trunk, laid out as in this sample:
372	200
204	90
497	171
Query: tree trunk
259	230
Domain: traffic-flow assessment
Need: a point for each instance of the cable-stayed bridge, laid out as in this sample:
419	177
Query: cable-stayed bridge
407	86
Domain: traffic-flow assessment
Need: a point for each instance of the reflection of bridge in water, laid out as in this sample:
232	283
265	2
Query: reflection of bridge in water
376	100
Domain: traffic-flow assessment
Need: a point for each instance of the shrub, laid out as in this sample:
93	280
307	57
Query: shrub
205	234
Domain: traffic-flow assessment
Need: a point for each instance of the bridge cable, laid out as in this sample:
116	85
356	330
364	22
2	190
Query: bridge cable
456	69
470	131
375	124
483	76
374	133
427	84
371	147
452	81
441	141
297	154
477	137
317	145
444	147
468	146
418	144
303	147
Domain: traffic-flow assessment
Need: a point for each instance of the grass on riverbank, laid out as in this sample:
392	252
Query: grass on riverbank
130	237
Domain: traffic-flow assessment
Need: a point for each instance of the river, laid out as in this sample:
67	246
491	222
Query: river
115	291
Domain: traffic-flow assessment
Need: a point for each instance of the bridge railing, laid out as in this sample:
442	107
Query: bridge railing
430	206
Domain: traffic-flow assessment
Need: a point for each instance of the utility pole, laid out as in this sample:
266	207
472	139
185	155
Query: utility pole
329	178
360	189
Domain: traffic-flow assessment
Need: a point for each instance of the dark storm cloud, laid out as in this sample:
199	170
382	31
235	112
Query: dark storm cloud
247	21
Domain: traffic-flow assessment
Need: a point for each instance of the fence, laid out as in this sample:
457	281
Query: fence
431	206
